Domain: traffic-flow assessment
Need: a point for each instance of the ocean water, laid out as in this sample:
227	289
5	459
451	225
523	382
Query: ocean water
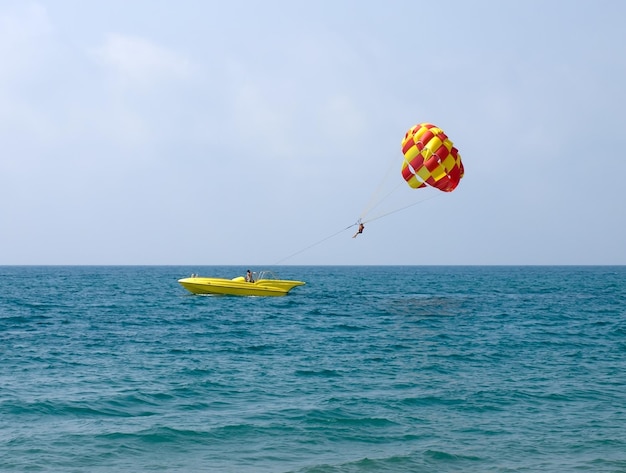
364	369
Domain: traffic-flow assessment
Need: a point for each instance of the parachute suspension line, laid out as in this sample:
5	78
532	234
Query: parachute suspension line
391	212
315	244
376	199
380	201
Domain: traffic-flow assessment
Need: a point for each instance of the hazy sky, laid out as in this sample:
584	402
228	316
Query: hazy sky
255	133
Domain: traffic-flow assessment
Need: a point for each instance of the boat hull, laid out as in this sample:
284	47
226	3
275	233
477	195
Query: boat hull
237	287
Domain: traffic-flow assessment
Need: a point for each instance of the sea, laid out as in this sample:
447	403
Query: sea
363	369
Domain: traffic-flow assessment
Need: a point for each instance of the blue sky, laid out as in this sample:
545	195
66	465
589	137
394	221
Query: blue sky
254	133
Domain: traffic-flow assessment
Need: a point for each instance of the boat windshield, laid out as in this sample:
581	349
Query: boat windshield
265	275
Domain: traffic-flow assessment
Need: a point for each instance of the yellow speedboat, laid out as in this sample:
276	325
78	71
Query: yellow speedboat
265	283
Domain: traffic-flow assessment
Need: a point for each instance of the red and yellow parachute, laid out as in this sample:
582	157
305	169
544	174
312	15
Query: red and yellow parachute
430	159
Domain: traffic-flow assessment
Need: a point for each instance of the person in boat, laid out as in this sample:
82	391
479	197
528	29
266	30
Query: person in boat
359	231
249	277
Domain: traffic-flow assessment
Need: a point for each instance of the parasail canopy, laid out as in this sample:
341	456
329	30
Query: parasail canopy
430	159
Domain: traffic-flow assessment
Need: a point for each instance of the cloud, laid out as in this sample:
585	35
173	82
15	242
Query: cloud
23	33
135	61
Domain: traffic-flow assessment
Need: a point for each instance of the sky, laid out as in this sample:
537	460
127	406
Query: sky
249	133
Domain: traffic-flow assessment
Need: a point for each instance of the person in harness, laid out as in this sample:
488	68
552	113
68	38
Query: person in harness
359	231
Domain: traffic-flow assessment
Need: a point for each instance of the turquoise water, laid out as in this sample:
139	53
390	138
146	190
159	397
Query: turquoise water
364	369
